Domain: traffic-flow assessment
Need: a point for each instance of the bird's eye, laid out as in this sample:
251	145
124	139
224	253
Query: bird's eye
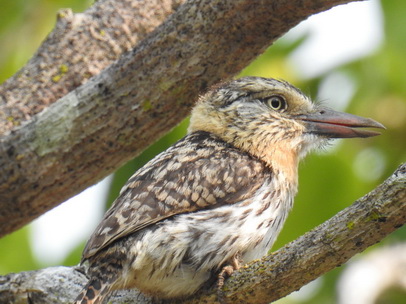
277	103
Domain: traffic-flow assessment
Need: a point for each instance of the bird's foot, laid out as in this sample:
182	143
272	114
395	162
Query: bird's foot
226	272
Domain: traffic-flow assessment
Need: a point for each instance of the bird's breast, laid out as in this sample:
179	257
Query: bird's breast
267	213
249	227
191	246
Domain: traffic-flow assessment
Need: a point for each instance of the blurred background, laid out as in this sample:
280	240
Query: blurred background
352	58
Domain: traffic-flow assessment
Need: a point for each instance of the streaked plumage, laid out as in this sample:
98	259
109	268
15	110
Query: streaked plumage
222	191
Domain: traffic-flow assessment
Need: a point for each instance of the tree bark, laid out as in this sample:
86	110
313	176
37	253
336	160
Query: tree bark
80	46
364	223
95	128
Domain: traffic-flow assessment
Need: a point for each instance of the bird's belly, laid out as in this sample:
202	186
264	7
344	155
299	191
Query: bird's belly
185	251
180	283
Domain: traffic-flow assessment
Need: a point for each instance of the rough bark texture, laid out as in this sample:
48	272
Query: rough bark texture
357	227
80	46
97	127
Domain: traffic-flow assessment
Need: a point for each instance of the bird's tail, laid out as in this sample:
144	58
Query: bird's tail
93	293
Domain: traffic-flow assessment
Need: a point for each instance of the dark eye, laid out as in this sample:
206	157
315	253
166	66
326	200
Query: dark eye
276	102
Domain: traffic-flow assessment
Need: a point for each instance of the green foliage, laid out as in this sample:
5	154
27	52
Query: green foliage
23	25
15	252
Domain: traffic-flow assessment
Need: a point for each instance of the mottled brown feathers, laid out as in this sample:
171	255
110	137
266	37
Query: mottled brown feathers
200	171
220	194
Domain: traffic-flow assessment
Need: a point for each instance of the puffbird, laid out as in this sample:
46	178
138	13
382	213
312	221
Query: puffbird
218	197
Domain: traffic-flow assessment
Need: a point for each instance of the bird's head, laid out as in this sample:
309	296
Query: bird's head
268	117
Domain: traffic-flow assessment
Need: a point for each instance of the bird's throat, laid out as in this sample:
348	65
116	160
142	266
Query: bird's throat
280	157
283	161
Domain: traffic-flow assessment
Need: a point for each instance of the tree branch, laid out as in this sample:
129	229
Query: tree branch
80	46
364	223
97	127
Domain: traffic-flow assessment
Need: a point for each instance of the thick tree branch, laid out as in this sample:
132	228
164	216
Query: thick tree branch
94	129
329	245
80	46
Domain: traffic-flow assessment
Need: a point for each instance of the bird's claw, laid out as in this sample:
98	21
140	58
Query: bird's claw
226	272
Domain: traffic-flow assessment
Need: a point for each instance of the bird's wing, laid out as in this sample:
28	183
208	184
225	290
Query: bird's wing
198	172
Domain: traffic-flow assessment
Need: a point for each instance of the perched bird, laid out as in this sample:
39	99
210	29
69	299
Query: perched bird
218	197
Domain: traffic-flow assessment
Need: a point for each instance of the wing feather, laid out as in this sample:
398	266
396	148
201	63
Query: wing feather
199	172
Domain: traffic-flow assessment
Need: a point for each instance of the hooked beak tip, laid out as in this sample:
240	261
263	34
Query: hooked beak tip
334	124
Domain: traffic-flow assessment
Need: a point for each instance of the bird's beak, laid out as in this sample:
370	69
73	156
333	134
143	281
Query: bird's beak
333	124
